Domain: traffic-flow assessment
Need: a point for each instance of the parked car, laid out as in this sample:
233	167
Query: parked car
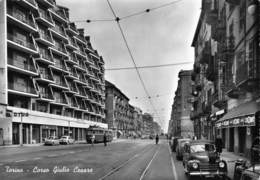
52	140
66	140
145	137
179	148
201	160
174	142
249	170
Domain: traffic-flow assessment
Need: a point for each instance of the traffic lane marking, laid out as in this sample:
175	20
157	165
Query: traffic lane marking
173	165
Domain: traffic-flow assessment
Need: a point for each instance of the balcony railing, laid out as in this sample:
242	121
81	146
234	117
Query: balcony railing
45	15
60	100
46	37
60	82
25	19
59	30
46	75
46	95
60	48
25	65
246	71
26	44
21	88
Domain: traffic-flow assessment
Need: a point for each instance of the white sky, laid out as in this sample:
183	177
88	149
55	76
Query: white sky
162	36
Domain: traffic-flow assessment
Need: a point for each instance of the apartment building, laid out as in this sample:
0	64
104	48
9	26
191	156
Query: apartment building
117	110
181	124
231	64
52	80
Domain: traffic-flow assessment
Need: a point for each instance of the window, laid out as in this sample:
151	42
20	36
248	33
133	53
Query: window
242	15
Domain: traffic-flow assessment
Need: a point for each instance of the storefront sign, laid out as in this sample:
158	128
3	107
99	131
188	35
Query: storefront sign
237	122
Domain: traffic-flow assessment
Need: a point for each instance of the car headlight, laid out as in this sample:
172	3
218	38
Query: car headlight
221	164
195	165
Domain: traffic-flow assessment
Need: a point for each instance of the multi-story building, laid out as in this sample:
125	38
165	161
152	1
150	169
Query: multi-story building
138	121
147	124
52	80
231	63
119	113
181	108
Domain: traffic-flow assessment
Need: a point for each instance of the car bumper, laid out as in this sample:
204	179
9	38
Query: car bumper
207	174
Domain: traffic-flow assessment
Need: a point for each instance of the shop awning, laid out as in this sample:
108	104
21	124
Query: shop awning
242	115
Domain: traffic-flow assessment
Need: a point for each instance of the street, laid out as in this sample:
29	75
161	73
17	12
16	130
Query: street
127	159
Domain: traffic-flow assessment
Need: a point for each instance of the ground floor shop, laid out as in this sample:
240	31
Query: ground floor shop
238	128
29	127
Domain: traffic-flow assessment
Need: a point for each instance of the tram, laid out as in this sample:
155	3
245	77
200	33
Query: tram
99	134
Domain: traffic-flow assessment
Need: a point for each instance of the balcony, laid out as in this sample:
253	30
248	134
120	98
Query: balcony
89	48
44	18
59	15
205	56
80	39
44	38
246	75
81	66
82	93
59	66
72	88
25	22
71	44
95	56
21	44
211	16
231	89
45	76
46	95
25	67
59	101
72	59
60	83
59	32
59	50
72	29
29	4
81	54
44	57
22	90
72	73
101	61
47	3
72	102
219	101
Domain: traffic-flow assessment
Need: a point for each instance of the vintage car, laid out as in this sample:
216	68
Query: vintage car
201	160
249	170
52	140
180	146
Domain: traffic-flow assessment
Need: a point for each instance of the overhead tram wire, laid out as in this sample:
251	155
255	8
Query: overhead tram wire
131	56
146	67
130	15
150	9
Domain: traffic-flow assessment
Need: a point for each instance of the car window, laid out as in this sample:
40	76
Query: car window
197	148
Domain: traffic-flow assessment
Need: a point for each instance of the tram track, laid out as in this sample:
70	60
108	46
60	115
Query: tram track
131	160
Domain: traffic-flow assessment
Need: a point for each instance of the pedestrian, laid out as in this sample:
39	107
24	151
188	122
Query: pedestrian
105	139
92	139
156	138
219	145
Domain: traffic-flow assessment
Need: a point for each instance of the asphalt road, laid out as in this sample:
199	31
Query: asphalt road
127	160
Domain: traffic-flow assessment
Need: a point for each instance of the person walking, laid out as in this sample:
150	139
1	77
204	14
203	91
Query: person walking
219	145
92	139
105	139
156	138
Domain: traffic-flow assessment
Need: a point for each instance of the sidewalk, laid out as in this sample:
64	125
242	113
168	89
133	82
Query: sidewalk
230	158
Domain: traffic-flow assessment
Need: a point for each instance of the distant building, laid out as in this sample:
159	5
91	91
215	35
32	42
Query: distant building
180	123
147	124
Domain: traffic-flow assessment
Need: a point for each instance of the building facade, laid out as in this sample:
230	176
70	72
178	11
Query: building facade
52	80
180	123
226	44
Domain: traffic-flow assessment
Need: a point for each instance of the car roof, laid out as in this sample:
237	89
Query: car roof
201	142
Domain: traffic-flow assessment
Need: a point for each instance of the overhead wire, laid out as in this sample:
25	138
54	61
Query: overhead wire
131	55
149	66
130	15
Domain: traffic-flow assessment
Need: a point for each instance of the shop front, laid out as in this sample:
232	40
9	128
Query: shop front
238	128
